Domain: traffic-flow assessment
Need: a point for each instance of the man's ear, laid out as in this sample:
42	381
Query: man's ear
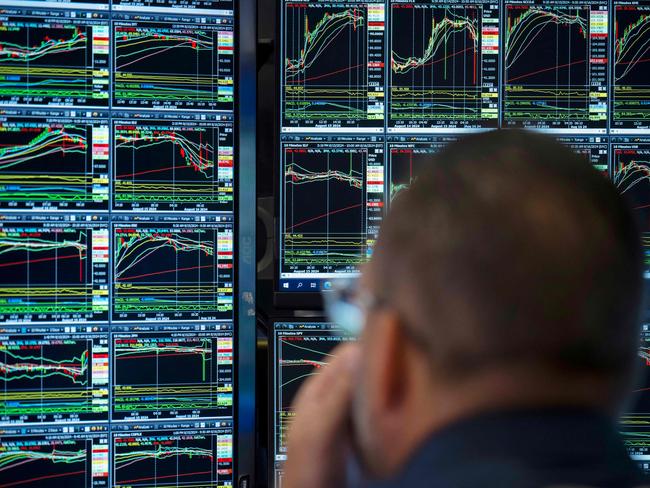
390	363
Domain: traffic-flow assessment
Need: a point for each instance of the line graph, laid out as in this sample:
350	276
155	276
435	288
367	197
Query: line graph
53	164
555	66
631	175
408	159
187	459
325	205
172	272
636	440
640	402
172	375
59	461
631	91
443	71
173	166
46	61
50	272
45	379
201	76
297	356
333	65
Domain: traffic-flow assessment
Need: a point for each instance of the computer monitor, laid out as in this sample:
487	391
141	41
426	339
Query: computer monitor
126	236
366	87
299	348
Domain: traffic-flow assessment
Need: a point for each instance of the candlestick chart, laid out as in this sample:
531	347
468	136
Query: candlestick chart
173	167
50	274
172	375
200	77
436	65
44	379
546	65
172	273
324	207
44	62
631	91
181	459
50	165
331	76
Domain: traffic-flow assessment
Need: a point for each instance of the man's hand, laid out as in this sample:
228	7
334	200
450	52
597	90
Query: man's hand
318	439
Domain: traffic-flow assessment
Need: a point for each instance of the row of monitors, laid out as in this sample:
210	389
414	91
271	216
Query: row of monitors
209	7
410	66
130	373
87	269
335	190
299	349
69	160
95	59
187	454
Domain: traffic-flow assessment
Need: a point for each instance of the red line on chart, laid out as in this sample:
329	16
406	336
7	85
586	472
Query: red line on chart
163	272
50	476
324	75
644	60
162	477
325	215
457	53
153	171
546	69
39	260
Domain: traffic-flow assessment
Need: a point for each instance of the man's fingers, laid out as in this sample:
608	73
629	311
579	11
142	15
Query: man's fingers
333	379
319	428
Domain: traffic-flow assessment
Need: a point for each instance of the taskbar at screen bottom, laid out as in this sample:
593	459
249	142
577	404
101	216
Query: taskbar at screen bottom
311	285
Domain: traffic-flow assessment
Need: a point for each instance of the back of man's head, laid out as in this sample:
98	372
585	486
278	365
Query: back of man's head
512	251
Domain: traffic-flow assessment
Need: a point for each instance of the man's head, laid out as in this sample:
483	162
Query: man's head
509	274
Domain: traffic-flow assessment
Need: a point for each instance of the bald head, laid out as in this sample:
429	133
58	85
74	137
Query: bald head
512	251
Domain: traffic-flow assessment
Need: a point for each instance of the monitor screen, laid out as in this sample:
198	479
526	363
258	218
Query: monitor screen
367	87
299	350
118	243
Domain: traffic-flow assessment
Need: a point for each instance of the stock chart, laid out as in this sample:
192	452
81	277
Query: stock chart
631	90
171	165
55	376
58	457
54	162
200	76
555	65
300	349
443	65
118	147
53	271
333	65
408	157
173	272
631	174
170	373
174	454
333	191
48	59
